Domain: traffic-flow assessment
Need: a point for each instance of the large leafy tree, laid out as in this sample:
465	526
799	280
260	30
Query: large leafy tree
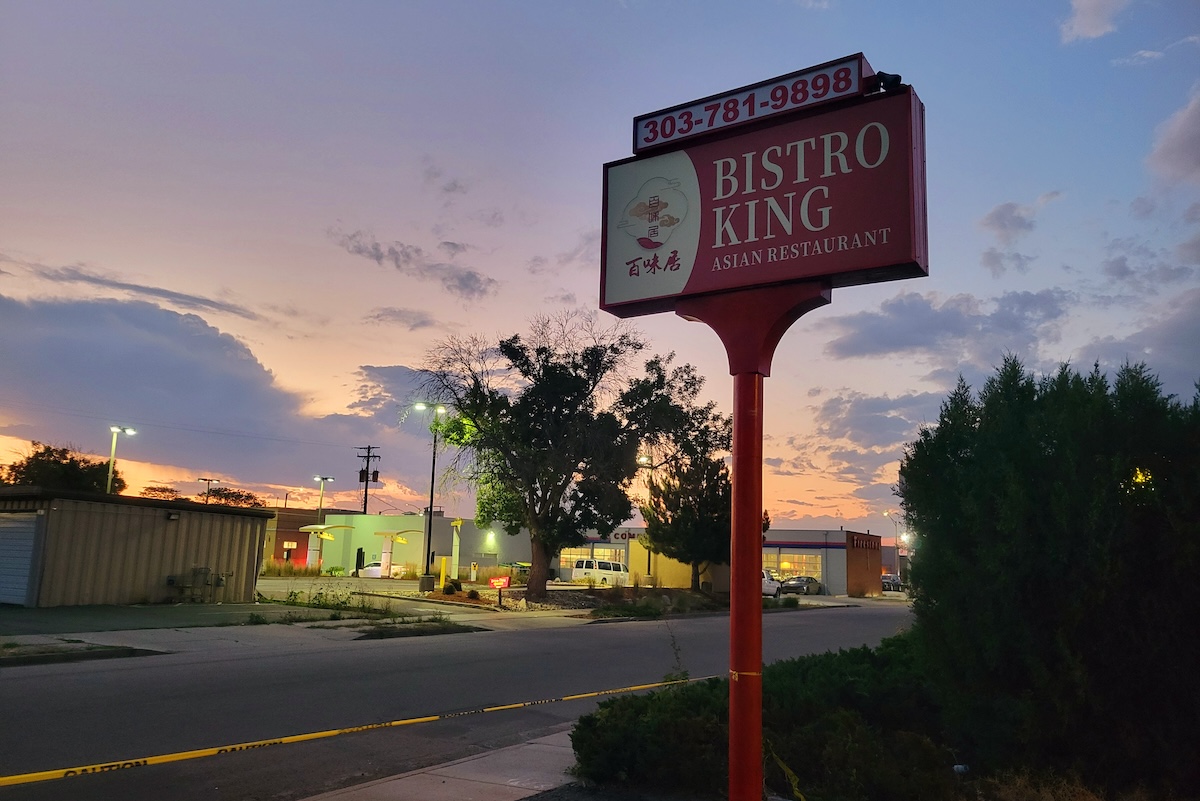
688	507
62	469
1058	544
550	425
160	493
228	496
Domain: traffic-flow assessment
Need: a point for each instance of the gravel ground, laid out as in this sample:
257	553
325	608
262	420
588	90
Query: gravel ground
514	599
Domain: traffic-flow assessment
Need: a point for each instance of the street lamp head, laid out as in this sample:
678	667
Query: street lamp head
112	453
421	406
322	478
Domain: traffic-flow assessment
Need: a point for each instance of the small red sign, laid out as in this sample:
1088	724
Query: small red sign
499	582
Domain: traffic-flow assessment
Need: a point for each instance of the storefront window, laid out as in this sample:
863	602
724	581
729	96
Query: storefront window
797	564
610	554
567	557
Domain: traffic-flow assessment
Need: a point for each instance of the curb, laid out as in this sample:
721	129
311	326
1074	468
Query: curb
77	655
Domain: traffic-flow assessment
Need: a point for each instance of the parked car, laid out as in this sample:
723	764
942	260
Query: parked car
802	585
770	587
601	572
371	570
892	583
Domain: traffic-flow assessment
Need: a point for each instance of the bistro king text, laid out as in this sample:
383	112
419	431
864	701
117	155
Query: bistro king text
783	170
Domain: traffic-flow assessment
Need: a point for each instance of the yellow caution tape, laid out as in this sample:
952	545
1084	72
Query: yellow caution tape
179	756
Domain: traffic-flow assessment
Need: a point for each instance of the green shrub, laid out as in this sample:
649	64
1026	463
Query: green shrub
473	595
790	602
838	755
852	726
856	724
448	589
330	598
643	607
673	739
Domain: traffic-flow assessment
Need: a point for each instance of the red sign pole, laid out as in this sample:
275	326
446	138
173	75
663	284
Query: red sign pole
745	596
750	324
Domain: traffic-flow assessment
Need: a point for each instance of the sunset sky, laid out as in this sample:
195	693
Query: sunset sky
238	227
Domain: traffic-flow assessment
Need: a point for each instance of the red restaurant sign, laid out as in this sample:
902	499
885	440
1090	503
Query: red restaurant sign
499	582
836	194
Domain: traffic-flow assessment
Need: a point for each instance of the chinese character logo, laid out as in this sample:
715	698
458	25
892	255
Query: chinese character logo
655	213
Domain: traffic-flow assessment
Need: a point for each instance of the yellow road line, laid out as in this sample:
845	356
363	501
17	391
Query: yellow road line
179	756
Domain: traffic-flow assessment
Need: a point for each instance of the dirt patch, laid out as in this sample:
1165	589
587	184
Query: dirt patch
385	631
43	654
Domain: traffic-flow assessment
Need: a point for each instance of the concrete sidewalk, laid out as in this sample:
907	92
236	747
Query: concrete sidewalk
507	774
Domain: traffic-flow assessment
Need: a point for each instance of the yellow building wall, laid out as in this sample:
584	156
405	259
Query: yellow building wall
670	573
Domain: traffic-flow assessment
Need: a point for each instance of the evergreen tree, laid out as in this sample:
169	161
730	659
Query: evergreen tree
688	514
1058	541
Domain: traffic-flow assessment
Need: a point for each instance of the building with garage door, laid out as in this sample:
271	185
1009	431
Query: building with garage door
60	548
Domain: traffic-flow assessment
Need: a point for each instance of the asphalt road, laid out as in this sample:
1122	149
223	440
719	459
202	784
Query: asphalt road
58	716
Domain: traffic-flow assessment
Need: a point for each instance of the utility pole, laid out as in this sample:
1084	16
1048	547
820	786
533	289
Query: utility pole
366	475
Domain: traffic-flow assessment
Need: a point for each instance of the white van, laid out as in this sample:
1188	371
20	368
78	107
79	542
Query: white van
601	572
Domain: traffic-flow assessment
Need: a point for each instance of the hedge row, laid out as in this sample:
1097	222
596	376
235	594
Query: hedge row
846	726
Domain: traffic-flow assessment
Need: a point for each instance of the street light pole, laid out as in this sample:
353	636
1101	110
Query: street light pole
437	410
112	453
895	538
208	489
321	497
320	521
429	511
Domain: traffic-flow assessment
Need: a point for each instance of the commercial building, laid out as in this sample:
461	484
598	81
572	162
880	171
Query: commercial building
845	562
398	541
60	548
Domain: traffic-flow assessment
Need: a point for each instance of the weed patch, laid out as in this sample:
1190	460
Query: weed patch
420	627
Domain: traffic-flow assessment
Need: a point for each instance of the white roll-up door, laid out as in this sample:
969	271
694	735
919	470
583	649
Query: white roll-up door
16	557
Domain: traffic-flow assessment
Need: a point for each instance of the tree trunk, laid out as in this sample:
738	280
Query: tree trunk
695	577
539	570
